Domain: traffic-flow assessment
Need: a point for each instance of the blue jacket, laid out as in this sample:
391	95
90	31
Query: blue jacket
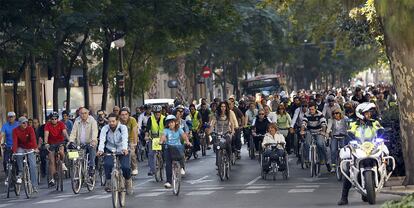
117	140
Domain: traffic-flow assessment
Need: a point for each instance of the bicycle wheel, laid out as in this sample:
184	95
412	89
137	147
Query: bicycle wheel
176	178
17	187
27	184
302	156
158	167
101	171
227	162
251	148
9	180
121	191
312	161
203	146
115	188
91	181
221	165
338	169
60	176
76	177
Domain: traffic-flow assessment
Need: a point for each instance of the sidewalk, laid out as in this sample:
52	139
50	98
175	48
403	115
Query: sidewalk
394	186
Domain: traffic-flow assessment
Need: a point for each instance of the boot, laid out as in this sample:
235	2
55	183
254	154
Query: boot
345	190
108	187
129	188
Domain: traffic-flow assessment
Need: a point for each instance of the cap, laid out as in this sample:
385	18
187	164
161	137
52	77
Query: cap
9	114
22	119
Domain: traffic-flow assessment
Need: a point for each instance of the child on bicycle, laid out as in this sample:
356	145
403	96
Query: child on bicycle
172	137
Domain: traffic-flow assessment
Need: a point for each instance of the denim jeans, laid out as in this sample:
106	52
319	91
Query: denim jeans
125	166
335	149
92	155
7	155
151	157
196	141
236	141
168	163
31	159
320	144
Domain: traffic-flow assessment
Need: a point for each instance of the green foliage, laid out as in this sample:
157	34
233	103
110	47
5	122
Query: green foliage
407	201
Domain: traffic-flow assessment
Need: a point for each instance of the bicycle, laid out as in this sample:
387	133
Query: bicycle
117	181
80	170
176	168
38	161
26	180
191	150
11	168
101	171
301	154
59	169
203	142
223	160
260	138
250	142
313	156
338	172
159	161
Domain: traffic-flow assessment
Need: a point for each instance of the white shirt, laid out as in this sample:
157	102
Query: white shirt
269	139
272	117
82	133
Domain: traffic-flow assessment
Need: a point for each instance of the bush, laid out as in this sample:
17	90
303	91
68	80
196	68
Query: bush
407	201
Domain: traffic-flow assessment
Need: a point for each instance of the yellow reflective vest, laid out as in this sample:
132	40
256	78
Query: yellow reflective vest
157	129
195	121
364	132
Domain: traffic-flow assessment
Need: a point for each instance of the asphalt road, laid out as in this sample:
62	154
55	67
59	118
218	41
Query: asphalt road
202	188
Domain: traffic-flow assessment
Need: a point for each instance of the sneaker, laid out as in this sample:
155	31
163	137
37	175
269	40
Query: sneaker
208	148
167	185
35	190
52	182
6	182
182	171
134	172
333	170
19	180
64	167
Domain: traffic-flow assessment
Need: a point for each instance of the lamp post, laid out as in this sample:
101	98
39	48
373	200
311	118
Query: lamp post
120	77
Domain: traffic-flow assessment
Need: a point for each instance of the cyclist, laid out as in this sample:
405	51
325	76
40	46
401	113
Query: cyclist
55	134
273	137
365	128
116	110
350	111
172	136
142	123
179	114
337	126
205	118
314	122
296	124
236	141
132	125
196	122
221	123
85	132
114	136
67	121
329	107
155	128
250	115
24	140
7	137
260	125
283	123
270	115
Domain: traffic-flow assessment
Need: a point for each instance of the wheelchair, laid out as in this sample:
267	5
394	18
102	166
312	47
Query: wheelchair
275	157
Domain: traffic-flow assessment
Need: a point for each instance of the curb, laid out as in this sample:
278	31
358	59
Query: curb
395	193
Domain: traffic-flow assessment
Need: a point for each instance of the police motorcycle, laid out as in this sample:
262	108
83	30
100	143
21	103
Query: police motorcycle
367	165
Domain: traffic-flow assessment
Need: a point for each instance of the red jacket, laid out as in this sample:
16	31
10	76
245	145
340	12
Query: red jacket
24	138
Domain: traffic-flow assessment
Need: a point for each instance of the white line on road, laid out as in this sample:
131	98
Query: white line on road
48	201
17	200
211	188
65	196
249	191
253	181
150	194
6	205
258	187
91	197
301	190
199	193
308	186
104	196
140	184
156	190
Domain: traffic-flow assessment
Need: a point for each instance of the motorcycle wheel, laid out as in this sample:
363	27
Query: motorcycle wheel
370	186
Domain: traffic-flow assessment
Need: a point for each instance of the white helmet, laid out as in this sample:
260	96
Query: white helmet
157	108
170	117
362	108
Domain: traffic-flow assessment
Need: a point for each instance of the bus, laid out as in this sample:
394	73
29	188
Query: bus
266	84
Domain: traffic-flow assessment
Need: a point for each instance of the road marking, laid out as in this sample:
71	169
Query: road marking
198	181
6	205
104	196
156	190
301	190
211	188
150	194
48	201
253	181
18	200
308	186
91	197
249	191
65	196
140	184
257	187
314	179
199	193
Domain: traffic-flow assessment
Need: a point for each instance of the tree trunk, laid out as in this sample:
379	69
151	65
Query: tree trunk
56	77
105	70
85	78
181	78
33	78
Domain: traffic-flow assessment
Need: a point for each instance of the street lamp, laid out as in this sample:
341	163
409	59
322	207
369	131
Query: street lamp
120	43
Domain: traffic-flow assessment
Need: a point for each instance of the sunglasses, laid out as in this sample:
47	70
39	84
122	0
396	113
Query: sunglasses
261	114
180	111
336	113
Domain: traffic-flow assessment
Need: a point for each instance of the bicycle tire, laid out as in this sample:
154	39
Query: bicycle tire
221	166
27	185
122	191
203	146
9	181
60	176
90	185
158	166
115	188
227	163
301	156
176	178
101	172
312	161
76	178
251	149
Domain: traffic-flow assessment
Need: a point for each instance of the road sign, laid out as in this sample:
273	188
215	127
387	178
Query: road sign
206	72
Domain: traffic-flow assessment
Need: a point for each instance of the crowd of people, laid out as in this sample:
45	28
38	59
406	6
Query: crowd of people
279	118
